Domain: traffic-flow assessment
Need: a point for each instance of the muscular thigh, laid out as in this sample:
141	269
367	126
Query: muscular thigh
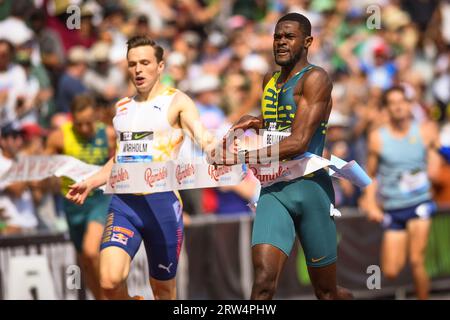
309	201
394	249
163	234
418	232
123	227
273	224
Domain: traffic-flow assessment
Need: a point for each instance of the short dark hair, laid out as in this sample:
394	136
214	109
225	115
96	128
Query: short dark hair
21	8
81	102
305	25
139	41
387	92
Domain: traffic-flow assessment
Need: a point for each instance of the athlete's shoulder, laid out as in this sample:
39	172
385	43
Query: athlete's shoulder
316	80
268	76
181	97
429	131
123	102
429	126
319	74
375	137
170	91
55	141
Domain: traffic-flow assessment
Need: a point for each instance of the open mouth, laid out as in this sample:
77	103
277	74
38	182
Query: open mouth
139	80
282	52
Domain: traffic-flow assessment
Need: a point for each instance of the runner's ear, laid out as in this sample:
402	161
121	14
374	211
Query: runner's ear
161	66
308	41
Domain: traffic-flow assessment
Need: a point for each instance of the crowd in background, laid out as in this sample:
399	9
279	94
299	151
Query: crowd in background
217	51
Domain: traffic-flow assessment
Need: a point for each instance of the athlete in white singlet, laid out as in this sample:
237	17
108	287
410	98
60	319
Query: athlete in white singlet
148	128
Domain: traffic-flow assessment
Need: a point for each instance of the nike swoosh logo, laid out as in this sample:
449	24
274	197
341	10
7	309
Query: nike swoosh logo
283	128
140	136
317	260
284	90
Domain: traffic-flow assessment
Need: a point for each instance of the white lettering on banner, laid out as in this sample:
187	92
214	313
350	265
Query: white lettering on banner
152	176
267	174
216	172
31	168
167	176
120	176
183	172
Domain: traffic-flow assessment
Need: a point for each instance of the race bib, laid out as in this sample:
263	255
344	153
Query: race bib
413	181
273	137
135	147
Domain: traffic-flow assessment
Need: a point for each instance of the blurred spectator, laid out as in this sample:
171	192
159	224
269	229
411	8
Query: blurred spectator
87	33
336	144
207	99
16	199
103	79
215	57
49	42
116	30
70	84
441	84
12	83
235	91
176	71
142	27
34	107
14	28
42	191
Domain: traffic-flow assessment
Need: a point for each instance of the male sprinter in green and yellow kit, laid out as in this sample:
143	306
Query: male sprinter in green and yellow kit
93	142
296	99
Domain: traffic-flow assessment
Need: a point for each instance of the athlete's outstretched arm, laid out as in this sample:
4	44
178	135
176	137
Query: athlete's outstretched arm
54	143
190	122
368	202
79	191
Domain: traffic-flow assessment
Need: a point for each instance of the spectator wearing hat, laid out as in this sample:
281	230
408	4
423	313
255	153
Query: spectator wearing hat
187	43
16	200
70	84
12	82
142	27
33	104
105	80
176	73
215	57
207	98
44	191
14	28
87	33
49	42
255	68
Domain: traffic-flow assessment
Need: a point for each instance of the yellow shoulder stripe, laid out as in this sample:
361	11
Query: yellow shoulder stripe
123	101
